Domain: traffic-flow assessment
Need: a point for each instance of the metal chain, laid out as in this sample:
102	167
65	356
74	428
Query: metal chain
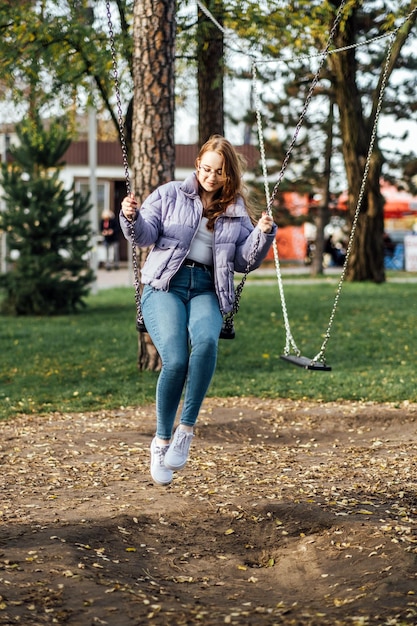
289	339
320	355
118	98
308	57
139	317
228	319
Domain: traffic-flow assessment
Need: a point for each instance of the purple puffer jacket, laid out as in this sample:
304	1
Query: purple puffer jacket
168	221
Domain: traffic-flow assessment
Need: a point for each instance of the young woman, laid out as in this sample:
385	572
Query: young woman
201	232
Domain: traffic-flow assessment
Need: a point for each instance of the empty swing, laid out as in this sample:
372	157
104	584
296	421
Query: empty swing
295	357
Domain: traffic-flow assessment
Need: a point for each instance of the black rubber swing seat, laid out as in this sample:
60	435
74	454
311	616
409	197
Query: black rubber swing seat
306	363
140	326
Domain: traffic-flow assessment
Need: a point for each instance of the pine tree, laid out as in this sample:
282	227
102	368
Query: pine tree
47	226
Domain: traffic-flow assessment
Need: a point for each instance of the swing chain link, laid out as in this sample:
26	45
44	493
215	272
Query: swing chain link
140	326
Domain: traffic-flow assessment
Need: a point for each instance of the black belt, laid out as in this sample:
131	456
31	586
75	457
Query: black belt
190	263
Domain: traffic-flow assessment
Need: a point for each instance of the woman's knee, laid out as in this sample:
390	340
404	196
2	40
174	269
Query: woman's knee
205	346
175	364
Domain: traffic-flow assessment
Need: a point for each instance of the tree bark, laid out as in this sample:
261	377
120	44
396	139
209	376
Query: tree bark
210	73
153	147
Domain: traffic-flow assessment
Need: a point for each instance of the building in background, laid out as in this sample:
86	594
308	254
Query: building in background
292	241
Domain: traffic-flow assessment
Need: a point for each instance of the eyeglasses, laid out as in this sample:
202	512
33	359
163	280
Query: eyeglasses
209	171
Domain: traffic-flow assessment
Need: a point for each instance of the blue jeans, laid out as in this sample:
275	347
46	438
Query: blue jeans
184	324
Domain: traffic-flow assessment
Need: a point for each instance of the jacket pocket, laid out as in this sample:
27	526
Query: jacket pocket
160	256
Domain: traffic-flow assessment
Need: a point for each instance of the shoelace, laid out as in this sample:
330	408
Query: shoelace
182	440
161	451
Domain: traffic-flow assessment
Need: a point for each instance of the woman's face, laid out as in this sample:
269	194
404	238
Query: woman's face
209	171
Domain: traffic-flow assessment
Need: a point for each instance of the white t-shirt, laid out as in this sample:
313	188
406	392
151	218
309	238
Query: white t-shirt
201	249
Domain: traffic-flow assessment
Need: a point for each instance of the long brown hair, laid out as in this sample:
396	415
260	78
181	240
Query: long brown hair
233	168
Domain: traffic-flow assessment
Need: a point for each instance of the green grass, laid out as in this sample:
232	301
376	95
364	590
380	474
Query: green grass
87	362
371	346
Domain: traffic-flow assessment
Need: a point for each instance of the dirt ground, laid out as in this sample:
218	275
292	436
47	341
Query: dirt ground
292	513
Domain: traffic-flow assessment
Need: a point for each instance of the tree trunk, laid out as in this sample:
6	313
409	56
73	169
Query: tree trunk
366	260
210	73
153	147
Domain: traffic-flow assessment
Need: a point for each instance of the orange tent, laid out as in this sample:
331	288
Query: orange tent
398	203
291	241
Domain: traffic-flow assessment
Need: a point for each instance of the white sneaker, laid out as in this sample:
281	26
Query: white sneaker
160	474
177	454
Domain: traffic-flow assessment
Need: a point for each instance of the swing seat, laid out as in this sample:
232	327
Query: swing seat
305	362
140	326
227	331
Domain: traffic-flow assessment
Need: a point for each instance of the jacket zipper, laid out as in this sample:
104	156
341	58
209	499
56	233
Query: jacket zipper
195	232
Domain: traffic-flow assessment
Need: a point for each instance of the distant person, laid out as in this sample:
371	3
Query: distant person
389	245
336	251
201	232
109	227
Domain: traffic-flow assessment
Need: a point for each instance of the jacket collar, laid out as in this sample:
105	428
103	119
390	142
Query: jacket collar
190	187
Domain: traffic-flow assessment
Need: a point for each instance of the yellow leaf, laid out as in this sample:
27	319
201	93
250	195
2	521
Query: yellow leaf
183	579
229	532
130	549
